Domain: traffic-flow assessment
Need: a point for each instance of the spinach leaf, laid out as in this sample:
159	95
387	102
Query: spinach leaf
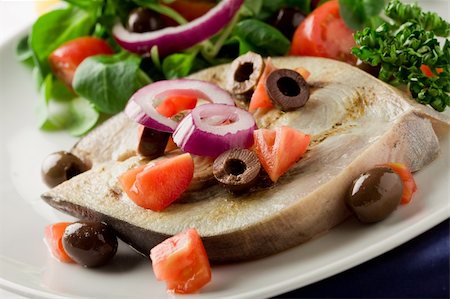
178	65
109	81
358	14
58	109
53	29
262	38
24	53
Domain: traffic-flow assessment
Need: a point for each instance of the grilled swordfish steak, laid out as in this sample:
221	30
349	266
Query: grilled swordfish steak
355	121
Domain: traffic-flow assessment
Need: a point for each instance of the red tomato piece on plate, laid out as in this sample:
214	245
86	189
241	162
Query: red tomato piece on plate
53	238
182	262
409	184
174	104
65	59
279	149
260	98
324	34
157	185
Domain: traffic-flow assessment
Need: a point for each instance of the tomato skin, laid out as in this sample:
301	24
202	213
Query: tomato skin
182	262
324	34
279	149
260	98
53	238
65	59
409	184
174	104
148	185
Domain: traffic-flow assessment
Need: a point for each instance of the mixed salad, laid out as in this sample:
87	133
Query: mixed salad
89	57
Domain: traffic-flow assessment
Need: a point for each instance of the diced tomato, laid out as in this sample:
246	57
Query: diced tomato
174	104
171	145
409	184
324	34
53	238
427	71
191	10
260	98
157	185
182	262
279	149
65	60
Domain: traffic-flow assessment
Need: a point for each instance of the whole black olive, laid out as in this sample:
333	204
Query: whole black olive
90	244
144	20
245	73
237	169
287	20
287	89
61	166
152	143
375	194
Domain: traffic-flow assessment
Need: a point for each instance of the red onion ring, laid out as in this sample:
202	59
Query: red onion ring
141	106
212	129
174	39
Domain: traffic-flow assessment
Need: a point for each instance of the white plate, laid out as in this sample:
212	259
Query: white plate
26	267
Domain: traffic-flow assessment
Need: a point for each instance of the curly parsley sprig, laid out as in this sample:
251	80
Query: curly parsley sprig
403	46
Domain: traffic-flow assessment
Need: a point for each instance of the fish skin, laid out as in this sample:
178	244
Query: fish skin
363	122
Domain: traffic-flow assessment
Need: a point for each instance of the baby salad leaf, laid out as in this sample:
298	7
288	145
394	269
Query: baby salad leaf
178	65
55	28
109	81
358	14
24	53
262	38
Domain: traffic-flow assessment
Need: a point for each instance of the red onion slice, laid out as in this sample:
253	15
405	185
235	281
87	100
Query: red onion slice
141	106
212	129
174	39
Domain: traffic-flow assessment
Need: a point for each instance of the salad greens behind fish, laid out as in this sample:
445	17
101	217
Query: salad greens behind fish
103	84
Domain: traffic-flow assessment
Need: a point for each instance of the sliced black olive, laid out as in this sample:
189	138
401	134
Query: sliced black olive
375	194
152	143
245	73
90	244
287	89
237	169
144	20
287	20
61	166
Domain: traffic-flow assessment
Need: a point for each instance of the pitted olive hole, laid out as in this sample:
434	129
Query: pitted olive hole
288	86
235	167
243	72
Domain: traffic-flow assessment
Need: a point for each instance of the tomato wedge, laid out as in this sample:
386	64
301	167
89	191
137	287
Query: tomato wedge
260	98
157	185
324	34
53	238
182	262
409	184
174	104
65	59
279	149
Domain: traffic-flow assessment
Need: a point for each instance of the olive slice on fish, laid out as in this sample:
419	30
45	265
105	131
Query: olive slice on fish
237	169
375	194
287	89
151	143
245	73
61	166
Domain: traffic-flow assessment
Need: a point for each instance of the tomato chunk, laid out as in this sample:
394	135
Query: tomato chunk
260	98
409	184
65	59
427	71
53	238
174	104
182	262
324	34
157	185
279	149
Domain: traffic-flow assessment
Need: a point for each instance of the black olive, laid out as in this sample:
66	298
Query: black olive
375	194
61	166
287	89
152	143
245	73
144	20
237	169
287	20
90	244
